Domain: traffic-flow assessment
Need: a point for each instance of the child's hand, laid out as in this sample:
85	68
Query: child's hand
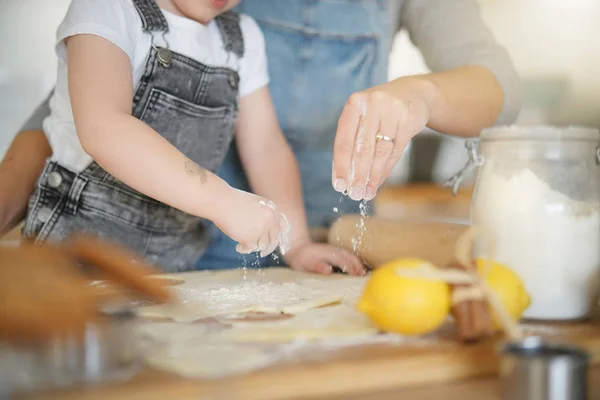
254	222
321	258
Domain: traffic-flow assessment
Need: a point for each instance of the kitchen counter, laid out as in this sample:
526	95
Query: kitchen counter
359	368
445	371
325	381
480	389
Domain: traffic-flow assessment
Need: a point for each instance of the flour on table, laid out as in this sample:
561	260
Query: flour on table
211	298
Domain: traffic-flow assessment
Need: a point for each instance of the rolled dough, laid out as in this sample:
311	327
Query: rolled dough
197	351
272	293
214	350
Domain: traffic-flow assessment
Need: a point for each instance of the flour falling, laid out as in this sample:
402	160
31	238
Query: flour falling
361	227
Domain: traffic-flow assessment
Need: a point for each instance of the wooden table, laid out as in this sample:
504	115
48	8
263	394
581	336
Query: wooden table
323	381
421	368
485	388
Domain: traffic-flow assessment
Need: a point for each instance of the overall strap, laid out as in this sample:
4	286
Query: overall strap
231	32
153	19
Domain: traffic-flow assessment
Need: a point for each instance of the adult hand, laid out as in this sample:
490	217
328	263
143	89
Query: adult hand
321	258
254	222
374	129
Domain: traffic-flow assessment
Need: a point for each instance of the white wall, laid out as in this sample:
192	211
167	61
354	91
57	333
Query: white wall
27	60
555	46
556	41
554	38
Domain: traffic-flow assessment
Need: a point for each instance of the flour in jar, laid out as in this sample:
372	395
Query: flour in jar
550	240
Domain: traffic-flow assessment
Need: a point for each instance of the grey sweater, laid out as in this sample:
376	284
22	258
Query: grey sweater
449	34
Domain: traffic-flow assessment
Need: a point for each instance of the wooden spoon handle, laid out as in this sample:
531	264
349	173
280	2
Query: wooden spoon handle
118	265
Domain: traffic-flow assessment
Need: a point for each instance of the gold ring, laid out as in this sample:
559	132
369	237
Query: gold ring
379	137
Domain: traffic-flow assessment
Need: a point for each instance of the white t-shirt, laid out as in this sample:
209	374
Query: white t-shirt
119	22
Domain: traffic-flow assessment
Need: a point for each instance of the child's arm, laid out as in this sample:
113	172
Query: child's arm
101	93
273	173
19	170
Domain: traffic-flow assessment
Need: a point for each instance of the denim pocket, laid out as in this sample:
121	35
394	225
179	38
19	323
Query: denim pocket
201	133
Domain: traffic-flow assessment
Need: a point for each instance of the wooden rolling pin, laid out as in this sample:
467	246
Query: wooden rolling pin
377	240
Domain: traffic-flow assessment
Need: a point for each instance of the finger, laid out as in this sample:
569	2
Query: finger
400	144
388	126
272	238
320	267
406	130
284	234
345	136
244	248
347	262
364	149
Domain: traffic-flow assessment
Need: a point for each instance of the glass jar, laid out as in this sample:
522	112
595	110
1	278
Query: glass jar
537	197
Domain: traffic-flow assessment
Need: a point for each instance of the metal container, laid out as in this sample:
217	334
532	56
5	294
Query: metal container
107	353
535	370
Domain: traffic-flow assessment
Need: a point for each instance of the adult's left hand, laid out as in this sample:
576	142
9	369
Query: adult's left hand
374	129
321	258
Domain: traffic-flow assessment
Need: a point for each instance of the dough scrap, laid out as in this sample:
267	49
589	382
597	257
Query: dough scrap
328	322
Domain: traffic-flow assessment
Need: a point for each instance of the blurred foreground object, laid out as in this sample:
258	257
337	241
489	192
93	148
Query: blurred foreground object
45	293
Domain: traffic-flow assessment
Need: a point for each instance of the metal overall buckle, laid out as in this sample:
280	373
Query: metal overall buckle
165	56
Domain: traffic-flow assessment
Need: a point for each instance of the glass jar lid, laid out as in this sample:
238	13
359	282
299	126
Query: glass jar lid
540	132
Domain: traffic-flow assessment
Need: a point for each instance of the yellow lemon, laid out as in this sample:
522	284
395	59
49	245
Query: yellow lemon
405	305
507	285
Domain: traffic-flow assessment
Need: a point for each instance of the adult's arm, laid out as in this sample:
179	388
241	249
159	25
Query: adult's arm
21	167
453	34
473	85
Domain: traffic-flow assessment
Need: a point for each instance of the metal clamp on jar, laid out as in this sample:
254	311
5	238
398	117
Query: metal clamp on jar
538	195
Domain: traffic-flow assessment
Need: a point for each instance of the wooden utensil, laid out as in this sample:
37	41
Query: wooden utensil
424	201
43	293
378	240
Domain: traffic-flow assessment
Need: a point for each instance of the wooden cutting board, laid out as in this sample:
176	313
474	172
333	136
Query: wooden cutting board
361	368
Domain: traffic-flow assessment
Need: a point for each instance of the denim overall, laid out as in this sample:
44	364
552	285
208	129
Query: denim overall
194	107
319	53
